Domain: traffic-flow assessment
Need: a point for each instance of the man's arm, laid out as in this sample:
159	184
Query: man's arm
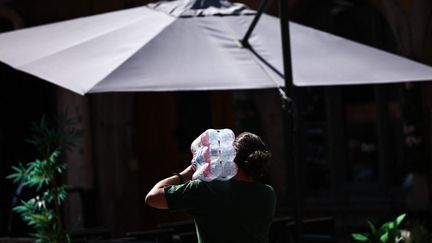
156	196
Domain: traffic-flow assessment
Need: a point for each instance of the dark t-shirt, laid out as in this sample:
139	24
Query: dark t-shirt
226	211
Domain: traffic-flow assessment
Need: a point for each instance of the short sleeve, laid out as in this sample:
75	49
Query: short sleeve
184	197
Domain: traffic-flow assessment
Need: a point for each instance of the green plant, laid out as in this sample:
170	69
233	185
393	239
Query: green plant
387	233
43	211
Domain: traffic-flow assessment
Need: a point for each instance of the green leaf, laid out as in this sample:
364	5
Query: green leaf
18	168
36	181
61	193
360	237
19	175
388	226
52	160
399	219
384	238
13	177
40	218
372	228
20	209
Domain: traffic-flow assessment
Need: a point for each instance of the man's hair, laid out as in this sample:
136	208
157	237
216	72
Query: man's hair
251	154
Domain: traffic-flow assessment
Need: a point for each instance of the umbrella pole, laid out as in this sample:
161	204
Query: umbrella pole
291	121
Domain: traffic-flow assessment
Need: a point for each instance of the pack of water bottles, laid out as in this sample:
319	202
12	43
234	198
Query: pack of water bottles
213	155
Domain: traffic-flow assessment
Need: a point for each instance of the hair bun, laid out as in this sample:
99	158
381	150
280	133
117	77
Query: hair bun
257	162
259	156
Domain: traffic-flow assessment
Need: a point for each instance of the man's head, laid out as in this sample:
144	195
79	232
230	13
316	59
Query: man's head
251	154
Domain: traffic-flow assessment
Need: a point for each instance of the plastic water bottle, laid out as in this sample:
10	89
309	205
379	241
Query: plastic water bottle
213	155
229	171
213	136
226	136
228	153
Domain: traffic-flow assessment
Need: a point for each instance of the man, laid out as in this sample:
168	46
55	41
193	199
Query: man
238	210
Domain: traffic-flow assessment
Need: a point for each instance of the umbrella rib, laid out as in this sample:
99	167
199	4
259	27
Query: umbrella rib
266	63
281	91
245	40
250	48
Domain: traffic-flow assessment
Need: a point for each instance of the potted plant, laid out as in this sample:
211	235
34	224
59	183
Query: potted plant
43	211
387	233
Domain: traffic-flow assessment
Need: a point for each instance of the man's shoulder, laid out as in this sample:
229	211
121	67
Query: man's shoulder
269	188
198	183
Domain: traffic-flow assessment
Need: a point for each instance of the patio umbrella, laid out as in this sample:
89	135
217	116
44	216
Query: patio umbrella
192	45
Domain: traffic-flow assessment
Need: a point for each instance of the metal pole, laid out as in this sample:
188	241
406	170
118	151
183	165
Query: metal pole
245	40
291	121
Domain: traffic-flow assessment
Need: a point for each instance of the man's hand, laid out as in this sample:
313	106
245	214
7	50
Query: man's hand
156	196
187	173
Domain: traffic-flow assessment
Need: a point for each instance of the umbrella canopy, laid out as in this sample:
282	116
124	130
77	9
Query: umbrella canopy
192	45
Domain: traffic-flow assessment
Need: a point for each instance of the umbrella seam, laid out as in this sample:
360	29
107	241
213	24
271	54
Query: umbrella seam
83	41
137	50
